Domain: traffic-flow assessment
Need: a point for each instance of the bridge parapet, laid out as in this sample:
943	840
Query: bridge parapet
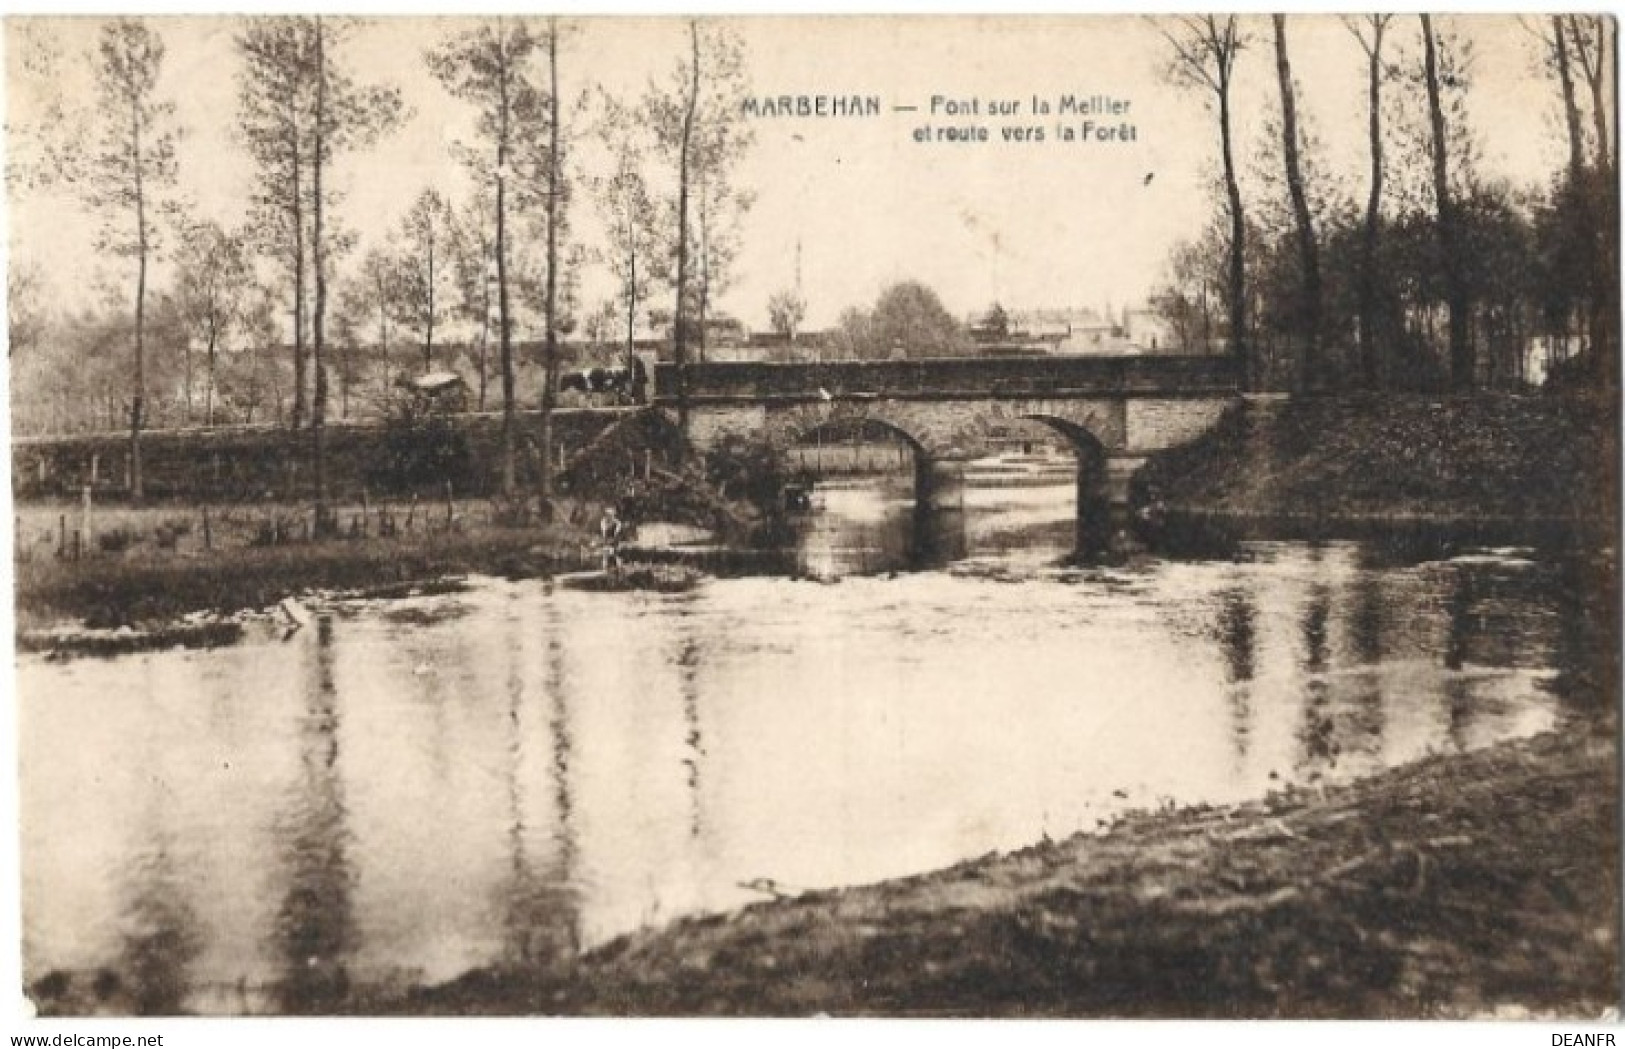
951	377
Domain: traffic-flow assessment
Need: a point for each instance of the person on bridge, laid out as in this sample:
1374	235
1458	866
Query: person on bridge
610	530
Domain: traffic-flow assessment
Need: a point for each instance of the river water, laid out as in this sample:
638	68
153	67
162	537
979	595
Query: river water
408	790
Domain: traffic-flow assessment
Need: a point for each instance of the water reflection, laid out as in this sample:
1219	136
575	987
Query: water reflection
516	773
1236	620
867	525
160	935
1318	733
539	900
314	925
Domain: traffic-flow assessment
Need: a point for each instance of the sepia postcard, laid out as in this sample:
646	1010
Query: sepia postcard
982	516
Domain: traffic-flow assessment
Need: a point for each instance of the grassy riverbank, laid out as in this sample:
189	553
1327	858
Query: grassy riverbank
1530	464
148	585
1486	883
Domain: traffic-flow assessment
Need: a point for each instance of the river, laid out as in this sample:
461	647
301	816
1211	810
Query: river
411	789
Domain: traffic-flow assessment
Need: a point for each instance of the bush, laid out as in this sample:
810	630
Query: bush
422	451
117	540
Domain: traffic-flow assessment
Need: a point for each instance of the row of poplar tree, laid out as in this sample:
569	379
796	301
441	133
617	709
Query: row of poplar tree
668	206
1439	278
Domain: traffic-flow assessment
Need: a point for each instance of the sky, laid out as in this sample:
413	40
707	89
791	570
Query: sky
1027	224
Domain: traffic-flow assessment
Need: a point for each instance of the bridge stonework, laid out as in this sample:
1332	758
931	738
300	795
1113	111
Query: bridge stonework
938	429
1114	412
1122	427
1155	423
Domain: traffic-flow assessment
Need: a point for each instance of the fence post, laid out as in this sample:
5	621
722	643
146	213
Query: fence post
86	530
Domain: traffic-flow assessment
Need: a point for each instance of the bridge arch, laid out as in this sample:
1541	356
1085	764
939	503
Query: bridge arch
843	425
1093	514
927	484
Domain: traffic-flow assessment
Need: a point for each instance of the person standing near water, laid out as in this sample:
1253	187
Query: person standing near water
610	530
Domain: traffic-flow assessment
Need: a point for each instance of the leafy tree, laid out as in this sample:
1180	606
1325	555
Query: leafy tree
371	302
786	310
26	321
426	273
721	209
212	284
908	320
995	325
487	67
472	261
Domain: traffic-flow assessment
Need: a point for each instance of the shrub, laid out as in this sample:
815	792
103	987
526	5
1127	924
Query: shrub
117	540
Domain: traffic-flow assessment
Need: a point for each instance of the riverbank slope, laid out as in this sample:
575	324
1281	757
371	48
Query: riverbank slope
1471	885
1498	467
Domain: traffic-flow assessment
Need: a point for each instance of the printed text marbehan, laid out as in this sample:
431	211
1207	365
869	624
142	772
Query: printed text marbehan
811	106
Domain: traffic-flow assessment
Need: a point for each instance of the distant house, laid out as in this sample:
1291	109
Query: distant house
727	339
776	346
1150	331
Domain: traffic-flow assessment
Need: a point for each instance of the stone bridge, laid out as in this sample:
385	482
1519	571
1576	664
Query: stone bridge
1114	412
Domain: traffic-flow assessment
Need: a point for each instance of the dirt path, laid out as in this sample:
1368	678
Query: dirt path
1471	885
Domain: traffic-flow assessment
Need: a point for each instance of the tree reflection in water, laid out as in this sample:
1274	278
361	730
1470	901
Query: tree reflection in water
541	904
315	928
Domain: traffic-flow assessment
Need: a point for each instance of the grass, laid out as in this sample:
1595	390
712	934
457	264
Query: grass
1470	885
1484	457
150	583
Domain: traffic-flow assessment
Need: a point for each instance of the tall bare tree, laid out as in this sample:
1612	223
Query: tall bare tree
1369	30
1446	218
273	115
552	164
1205	50
1308	247
1560	49
695	118
345	116
487	67
1590	36
130	175
629	211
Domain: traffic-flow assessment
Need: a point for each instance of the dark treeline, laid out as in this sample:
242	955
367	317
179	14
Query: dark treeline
1423	274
